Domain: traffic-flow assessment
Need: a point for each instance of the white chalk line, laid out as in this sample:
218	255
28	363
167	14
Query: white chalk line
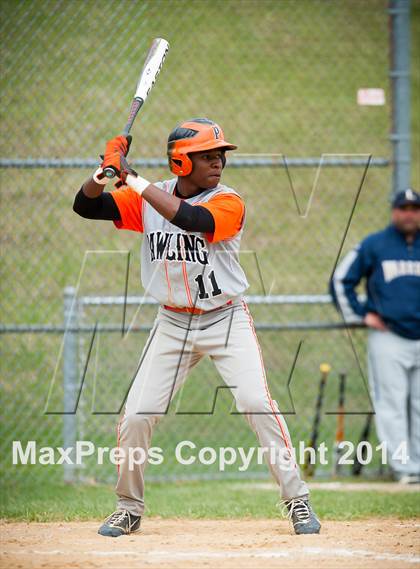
248	553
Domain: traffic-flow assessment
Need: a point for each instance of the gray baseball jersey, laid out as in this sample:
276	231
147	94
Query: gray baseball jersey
186	269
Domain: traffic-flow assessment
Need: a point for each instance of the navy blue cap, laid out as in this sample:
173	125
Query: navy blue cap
406	197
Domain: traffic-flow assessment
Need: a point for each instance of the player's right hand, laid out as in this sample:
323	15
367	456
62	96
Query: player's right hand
115	148
118	144
373	320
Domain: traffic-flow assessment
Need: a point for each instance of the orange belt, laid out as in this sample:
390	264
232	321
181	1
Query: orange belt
192	310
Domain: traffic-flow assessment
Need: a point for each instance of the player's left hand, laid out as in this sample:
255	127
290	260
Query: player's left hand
129	177
125	169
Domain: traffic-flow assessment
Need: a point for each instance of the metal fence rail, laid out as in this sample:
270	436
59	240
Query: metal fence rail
72	300
254	162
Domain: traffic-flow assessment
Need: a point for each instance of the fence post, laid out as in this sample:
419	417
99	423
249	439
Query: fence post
70	376
399	11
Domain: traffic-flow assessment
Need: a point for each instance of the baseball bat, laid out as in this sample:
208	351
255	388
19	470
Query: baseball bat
152	66
339	434
364	436
325	369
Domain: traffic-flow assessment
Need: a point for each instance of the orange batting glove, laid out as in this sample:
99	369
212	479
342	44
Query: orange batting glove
115	148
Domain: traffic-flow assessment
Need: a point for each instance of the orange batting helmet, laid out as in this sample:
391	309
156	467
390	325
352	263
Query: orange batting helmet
194	135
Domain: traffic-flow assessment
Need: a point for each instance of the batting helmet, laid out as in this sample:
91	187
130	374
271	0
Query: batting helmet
194	135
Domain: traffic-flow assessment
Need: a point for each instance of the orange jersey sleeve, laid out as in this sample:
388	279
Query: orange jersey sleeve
129	204
228	212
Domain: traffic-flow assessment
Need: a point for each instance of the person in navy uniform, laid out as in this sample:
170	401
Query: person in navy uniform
389	262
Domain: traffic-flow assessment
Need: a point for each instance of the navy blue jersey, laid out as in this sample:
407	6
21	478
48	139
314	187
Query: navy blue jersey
391	268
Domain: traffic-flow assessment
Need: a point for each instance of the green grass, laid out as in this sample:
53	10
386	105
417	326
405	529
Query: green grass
54	502
298	63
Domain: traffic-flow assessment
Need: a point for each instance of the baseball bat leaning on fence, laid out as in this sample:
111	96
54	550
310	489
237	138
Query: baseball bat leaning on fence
308	467
339	434
152	66
358	466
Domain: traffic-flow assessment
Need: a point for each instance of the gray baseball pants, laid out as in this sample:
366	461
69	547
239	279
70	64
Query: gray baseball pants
176	344
394	377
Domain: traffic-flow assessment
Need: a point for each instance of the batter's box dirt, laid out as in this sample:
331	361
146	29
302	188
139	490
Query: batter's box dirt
178	543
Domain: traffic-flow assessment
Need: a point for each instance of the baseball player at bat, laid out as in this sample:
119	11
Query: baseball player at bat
192	226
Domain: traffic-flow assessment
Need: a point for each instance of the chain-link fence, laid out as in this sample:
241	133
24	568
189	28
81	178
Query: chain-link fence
282	78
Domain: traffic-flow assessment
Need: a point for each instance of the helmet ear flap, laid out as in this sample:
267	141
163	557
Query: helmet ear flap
181	165
187	165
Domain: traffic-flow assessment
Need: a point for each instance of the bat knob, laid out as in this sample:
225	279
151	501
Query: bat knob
109	172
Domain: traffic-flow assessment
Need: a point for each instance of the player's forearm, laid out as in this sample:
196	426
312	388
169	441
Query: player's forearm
91	189
179	212
164	203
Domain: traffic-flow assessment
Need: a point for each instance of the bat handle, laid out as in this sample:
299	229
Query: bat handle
134	109
110	172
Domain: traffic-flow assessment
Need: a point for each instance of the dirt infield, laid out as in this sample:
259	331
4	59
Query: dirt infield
385	543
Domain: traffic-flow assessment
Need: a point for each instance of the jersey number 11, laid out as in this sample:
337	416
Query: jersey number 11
202	289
